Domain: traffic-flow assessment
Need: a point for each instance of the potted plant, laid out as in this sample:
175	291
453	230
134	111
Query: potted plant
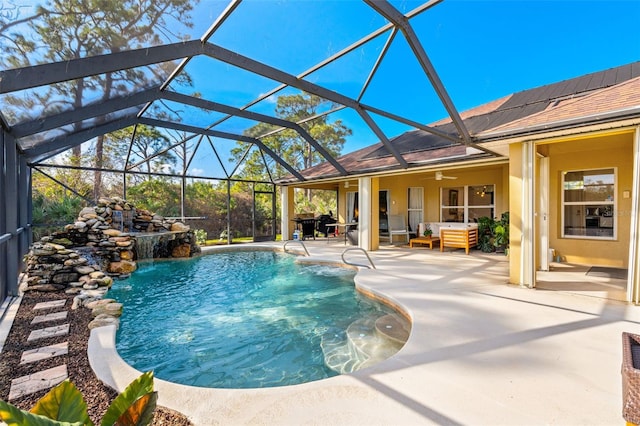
427	231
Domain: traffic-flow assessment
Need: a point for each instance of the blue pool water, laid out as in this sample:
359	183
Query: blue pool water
243	319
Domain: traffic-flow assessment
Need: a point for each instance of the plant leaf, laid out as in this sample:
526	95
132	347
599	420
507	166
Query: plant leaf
138	388
64	403
13	416
140	412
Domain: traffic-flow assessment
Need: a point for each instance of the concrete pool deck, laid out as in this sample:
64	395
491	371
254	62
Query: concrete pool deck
480	352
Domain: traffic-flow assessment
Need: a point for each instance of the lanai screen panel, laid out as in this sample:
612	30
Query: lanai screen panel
246	55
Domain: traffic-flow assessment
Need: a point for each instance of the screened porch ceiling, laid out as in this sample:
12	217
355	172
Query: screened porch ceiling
204	85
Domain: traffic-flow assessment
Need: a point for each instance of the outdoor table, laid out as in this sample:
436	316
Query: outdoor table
343	225
424	240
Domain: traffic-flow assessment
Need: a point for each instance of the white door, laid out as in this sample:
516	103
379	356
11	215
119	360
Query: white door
415	208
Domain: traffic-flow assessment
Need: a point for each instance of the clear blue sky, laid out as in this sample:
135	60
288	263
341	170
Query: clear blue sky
482	50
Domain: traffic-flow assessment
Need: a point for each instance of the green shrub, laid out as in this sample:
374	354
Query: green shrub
486	227
501	233
201	237
493	235
52	214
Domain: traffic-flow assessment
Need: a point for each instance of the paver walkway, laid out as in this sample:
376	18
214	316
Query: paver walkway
47	378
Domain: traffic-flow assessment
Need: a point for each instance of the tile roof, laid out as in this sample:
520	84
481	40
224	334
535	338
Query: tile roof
613	99
516	107
583	99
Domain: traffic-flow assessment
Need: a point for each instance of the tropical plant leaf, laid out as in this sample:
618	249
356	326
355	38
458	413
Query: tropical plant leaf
13	416
140	387
140	412
64	403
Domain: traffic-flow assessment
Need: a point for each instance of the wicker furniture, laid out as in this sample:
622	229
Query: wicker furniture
458	238
631	377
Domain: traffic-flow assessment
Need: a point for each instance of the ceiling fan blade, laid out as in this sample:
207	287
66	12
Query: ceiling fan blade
439	176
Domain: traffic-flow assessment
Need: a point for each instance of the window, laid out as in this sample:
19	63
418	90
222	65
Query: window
480	202
589	204
467	203
415	197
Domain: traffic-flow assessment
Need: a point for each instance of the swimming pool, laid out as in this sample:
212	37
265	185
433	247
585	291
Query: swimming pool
247	319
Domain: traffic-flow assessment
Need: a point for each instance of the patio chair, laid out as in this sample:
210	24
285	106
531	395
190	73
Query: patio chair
397	226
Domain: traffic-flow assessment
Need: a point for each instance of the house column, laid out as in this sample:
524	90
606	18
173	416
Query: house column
286	205
521	216
364	213
374	232
527	243
633	276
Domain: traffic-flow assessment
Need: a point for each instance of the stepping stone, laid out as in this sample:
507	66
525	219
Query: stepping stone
44	352
58	330
50	304
56	316
35	382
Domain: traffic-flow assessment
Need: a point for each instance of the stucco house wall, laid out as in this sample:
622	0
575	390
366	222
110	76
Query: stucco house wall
597	152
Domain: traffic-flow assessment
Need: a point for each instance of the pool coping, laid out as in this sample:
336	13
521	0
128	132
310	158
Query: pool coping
480	351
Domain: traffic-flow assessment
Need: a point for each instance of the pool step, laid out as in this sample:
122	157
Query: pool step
393	328
362	346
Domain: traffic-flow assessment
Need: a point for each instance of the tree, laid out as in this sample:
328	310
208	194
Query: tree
70	29
147	142
288	144
158	195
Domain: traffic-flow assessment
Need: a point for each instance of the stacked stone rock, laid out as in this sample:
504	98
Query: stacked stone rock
53	267
145	221
84	258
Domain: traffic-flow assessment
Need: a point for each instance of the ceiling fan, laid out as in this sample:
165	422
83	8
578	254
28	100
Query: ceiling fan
440	176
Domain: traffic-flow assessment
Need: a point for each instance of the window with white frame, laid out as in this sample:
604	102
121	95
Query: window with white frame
588	203
415	207
468	203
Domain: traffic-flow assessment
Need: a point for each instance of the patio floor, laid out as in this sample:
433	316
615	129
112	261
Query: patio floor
480	352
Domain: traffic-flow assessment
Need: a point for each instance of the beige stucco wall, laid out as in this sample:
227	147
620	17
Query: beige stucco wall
481	175
577	153
604	151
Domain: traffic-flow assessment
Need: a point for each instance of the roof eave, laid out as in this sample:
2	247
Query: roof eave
376	170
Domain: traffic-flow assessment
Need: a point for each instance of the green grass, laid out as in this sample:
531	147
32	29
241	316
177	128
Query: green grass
239	240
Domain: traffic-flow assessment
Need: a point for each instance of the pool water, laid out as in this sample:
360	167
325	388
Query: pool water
244	319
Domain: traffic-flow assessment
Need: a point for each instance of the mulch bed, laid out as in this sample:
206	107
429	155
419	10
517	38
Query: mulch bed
97	395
